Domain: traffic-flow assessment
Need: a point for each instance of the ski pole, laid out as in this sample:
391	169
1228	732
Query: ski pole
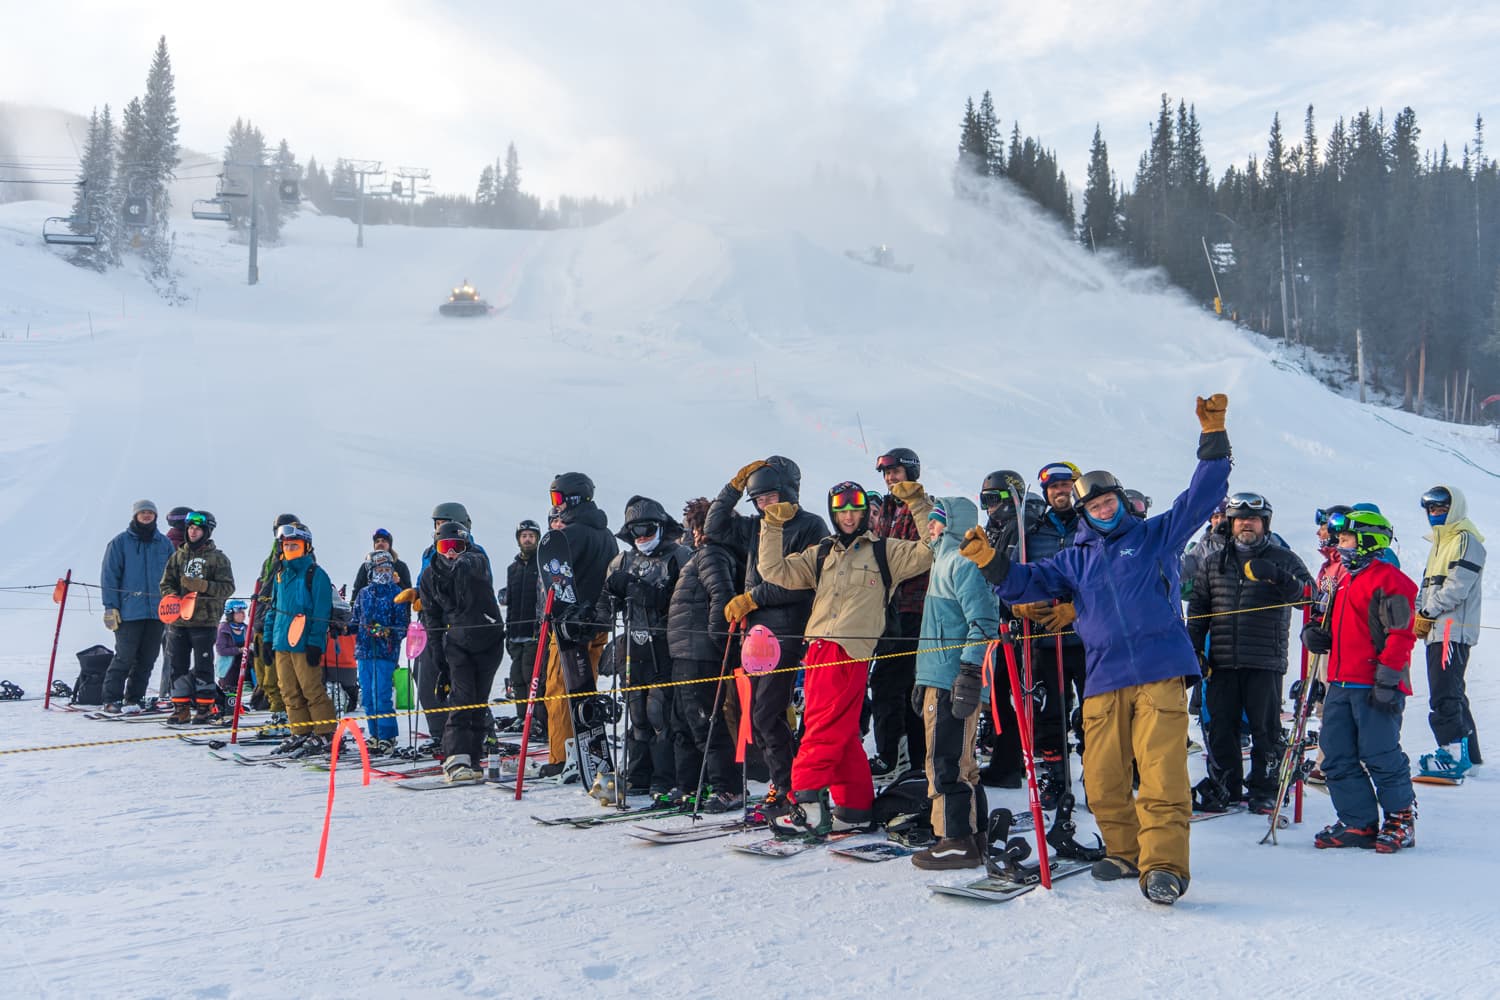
1306	697
239	691
62	604
713	715
536	673
622	794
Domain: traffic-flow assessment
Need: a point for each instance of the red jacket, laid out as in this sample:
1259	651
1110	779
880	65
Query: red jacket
1371	622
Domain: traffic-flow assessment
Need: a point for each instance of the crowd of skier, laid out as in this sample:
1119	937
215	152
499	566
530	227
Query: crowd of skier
887	624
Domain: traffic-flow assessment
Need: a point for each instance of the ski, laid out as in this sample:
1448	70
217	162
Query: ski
1000	890
1199	817
729	826
219	742
435	783
692	835
604	818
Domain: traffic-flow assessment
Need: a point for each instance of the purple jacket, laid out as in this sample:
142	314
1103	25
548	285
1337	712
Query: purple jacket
1125	588
230	639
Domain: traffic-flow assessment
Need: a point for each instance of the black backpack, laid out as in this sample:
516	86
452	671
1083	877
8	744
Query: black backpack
904	810
92	665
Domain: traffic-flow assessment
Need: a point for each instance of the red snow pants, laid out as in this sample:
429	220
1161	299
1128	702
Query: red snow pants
832	754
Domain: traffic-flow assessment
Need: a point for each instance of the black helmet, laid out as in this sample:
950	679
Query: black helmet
855	497
1092	485
1246	504
644	510
285	519
527	524
451	529
779	475
904	457
177	515
452	511
1002	482
201	519
1137	502
571	489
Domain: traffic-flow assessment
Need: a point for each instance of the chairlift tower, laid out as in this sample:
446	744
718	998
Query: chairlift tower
409	190
362	168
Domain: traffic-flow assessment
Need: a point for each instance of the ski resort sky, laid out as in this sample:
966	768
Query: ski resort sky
616	100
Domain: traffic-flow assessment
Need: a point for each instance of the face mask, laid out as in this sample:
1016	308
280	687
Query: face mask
1105	527
381	574
1437	519
646	546
1351	558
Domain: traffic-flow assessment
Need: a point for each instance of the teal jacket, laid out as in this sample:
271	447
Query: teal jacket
290	597
960	607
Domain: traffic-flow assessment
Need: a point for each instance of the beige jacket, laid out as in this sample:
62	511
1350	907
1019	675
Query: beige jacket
849	604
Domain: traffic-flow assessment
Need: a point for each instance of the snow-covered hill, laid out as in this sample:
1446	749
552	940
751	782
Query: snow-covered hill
659	353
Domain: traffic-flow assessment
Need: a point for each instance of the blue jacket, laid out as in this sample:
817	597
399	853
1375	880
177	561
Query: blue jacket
375	604
130	577
290	597
959	607
1126	588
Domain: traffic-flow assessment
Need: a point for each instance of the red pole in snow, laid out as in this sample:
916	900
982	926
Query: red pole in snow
60	595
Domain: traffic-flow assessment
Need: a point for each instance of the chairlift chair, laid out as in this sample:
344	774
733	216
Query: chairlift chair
136	209
59	231
289	193
211	210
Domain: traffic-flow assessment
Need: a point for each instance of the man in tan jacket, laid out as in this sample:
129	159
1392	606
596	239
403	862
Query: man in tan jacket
851	573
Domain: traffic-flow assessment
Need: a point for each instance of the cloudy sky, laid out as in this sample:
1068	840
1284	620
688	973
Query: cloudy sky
617	98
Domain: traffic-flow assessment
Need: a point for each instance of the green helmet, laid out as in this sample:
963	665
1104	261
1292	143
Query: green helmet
452	511
1372	532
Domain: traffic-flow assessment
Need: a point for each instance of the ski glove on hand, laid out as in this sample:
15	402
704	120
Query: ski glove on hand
112	618
918	698
195	584
1422	626
406	596
1060	616
977	549
966	689
314	656
1386	694
1263	571
738	607
1211	412
1317	639
779	513
908	493
1036	611
743	476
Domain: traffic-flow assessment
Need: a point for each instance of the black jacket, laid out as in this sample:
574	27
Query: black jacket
362	578
587	530
1255	640
783	611
643	583
696	629
521	589
458	603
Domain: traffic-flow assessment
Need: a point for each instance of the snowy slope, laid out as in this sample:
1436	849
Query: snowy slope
658	353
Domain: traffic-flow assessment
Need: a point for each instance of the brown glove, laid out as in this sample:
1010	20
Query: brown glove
406	596
779	513
112	618
908	493
1060	617
1422	626
743	476
1037	611
738	607
1211	412
976	547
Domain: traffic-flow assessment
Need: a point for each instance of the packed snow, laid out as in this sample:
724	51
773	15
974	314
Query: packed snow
658	353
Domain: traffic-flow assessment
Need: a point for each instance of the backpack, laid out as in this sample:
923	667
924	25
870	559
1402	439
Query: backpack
92	664
904	810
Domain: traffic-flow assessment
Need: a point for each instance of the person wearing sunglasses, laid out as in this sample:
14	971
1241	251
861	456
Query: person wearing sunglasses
784	611
296	631
381	541
133	564
896	726
1239	617
1054	530
462	616
199	568
1121	576
639	585
851	575
1448	617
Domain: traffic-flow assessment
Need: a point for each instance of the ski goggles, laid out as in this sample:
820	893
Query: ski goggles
1438	496
1057	472
447	546
642	529
850	499
560	499
1239	504
887	462
1336	522
196	519
292	531
993	498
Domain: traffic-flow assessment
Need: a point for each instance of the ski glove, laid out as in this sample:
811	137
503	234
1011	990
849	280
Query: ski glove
1422	627
779	513
738	607
908	493
918	698
1211	412
195	584
966	688
1263	571
1035	611
112	618
1060	616
314	656
1385	696
743	476
1317	639
977	549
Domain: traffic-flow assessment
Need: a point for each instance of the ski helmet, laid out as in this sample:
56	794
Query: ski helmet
380	557
999	489
296	530
849	495
452	511
285	519
780	475
1248	505
527	524
1056	472
1091	486
904	457
1372	534
761	651
451	529
230	607
569	489
201	519
1139	503
177	515
1438	496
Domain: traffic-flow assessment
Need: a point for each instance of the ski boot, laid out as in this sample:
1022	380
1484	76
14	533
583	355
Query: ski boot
1051	782
457	770
723	801
1399	831
1161	886
1339	835
809	818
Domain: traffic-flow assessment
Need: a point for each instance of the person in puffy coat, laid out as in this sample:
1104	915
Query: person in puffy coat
698	638
197	568
380	626
959	610
296	631
128	580
1122	574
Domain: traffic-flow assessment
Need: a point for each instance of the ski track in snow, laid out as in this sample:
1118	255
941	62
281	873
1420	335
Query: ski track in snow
658	352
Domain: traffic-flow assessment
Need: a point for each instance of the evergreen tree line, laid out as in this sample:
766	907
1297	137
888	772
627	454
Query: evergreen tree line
125	168
1362	231
982	152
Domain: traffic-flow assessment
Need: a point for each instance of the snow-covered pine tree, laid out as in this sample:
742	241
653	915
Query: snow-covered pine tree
94	195
159	156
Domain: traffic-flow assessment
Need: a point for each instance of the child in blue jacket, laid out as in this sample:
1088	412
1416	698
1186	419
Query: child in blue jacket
380	626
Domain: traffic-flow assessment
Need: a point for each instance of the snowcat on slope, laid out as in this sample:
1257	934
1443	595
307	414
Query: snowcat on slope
465	301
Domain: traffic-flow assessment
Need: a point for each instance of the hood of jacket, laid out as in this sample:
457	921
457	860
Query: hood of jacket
586	513
645	509
962	515
1458	518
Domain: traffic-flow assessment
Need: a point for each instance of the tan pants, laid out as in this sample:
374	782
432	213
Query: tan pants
266	674
952	772
305	697
559	712
1147	725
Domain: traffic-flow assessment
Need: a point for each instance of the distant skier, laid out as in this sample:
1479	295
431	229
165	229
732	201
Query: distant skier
1448	618
128	582
199	568
1368	638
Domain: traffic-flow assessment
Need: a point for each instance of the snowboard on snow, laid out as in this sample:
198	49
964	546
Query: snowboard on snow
874	852
778	848
1000	890
591	747
1436	779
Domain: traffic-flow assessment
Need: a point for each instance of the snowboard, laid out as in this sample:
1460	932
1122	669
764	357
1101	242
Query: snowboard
778	848
590	743
873	852
999	890
1436	779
